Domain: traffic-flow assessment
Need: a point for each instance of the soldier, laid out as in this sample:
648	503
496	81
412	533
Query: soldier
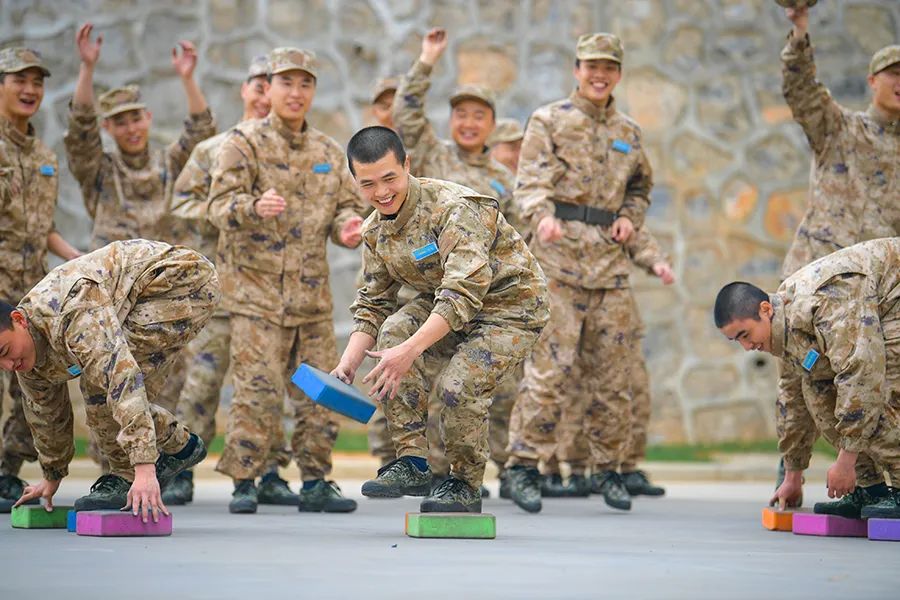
482	303
28	189
279	189
464	160
855	177
573	455
506	143
583	187
208	354
835	325
383	93
118	317
127	192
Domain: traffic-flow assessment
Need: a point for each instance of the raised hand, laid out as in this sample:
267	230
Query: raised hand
433	45
186	62
88	51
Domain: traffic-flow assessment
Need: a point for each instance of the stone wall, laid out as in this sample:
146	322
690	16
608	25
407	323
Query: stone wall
701	76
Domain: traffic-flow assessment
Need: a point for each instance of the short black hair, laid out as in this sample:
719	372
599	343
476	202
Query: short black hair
371	144
738	300
6	309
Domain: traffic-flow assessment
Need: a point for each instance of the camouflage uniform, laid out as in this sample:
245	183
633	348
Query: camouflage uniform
475	271
855	178
118	317
275	278
577	153
208	353
507	130
443	159
846	308
29	180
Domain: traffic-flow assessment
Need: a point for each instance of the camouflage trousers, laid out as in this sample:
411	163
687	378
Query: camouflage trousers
155	345
466	368
883	453
18	445
636	450
577	384
262	364
206	366
382	447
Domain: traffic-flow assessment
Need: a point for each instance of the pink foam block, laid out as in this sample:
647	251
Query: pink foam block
828	525
884	529
114	523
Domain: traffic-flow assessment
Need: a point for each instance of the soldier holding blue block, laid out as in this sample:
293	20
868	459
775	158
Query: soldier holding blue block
482	304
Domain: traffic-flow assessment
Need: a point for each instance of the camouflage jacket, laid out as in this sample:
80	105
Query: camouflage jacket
29	180
833	320
129	196
443	159
854	188
578	153
191	196
644	250
451	242
77	329
276	268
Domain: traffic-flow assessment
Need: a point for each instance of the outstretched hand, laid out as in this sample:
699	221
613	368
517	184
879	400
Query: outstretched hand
393	365
433	45
144	496
44	489
799	17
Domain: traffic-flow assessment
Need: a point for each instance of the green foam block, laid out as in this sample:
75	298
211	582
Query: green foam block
35	517
481	526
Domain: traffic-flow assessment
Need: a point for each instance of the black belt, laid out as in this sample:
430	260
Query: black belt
585	214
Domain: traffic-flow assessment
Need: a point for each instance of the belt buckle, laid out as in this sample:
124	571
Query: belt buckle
585	211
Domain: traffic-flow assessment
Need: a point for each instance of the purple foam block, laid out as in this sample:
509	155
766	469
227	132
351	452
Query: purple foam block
884	529
828	525
114	523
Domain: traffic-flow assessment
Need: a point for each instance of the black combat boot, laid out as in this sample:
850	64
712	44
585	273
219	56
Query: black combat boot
109	492
609	485
180	490
850	505
637	484
398	478
525	487
275	490
244	498
453	495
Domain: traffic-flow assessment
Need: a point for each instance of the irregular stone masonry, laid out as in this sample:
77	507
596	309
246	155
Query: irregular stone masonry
702	78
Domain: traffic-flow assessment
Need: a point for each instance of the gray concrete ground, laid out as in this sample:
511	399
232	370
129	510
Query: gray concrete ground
704	540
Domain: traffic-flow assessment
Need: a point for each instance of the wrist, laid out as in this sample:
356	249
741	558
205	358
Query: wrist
427	59
845	457
793	476
145	470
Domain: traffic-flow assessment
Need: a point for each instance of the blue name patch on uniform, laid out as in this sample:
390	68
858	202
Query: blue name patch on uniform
322	168
74	370
425	251
498	187
811	357
620	146
47	170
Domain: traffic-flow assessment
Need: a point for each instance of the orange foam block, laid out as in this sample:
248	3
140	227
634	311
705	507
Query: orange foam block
779	520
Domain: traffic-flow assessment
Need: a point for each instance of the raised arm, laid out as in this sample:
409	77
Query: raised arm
200	124
410	120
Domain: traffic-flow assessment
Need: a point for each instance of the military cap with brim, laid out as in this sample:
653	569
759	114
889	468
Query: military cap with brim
884	58
384	84
259	67
507	130
600	46
282	60
119	100
474	92
19	58
796	3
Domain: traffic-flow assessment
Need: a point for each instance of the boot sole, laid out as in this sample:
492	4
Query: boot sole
617	505
643	493
241	509
327	509
377	491
96	506
286	502
855	515
455	507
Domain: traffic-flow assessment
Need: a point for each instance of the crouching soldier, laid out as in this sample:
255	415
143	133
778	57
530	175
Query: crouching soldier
118	317
835	324
482	304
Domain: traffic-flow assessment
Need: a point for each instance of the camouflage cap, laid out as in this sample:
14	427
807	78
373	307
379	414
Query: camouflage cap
19	58
507	130
259	67
119	100
796	3
292	59
474	92
596	46
384	84
884	58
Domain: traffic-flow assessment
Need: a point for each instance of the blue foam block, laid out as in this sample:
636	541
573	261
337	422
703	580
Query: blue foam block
71	519
333	393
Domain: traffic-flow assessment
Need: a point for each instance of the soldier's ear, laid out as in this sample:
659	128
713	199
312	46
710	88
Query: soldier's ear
18	317
766	310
